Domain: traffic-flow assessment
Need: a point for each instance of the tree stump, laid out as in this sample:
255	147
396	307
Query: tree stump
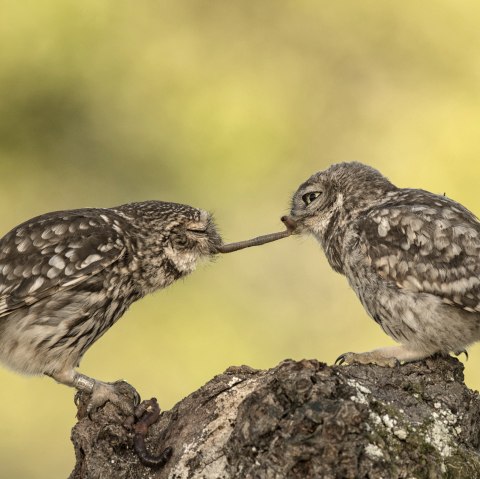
301	419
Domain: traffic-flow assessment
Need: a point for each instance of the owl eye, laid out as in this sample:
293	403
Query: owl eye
309	197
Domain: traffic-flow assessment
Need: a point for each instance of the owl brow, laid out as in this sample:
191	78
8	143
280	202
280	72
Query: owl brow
259	240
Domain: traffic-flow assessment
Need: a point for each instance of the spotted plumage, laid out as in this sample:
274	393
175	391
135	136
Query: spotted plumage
67	276
412	257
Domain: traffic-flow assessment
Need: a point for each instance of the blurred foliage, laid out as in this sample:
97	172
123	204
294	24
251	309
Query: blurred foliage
226	106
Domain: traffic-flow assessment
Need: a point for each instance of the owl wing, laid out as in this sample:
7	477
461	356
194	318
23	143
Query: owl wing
424	246
54	252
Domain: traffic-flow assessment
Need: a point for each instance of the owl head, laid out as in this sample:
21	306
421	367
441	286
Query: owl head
333	195
178	232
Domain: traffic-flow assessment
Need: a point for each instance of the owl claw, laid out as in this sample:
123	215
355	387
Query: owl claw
119	393
463	351
342	359
367	358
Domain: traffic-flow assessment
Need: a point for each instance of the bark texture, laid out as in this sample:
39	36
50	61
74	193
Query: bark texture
301	420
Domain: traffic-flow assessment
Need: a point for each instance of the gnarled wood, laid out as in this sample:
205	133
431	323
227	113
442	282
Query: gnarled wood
302	420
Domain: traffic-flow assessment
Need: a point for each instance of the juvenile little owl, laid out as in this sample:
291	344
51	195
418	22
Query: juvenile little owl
412	257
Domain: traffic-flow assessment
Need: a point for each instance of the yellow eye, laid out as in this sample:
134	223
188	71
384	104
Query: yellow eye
311	196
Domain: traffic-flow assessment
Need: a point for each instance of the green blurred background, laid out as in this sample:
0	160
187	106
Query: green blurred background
226	106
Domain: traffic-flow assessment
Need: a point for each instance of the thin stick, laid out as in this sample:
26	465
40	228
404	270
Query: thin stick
259	240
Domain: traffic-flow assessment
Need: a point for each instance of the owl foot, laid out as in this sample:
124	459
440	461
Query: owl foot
97	393
120	393
367	358
390	357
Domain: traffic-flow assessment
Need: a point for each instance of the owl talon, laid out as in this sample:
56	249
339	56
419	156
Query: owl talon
459	353
342	359
136	396
367	358
119	393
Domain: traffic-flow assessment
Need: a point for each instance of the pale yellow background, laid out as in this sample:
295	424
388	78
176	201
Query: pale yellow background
227	106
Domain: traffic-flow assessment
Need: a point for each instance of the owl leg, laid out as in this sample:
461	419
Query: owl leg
120	393
389	356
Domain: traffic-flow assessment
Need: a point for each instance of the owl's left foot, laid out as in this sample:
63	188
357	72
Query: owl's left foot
367	358
388	357
120	393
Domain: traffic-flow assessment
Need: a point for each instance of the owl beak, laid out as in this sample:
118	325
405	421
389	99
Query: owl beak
214	238
290	223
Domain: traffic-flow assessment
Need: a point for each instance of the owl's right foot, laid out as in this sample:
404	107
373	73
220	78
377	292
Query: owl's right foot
388	357
366	358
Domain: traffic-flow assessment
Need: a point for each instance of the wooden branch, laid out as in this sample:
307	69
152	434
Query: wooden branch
301	420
